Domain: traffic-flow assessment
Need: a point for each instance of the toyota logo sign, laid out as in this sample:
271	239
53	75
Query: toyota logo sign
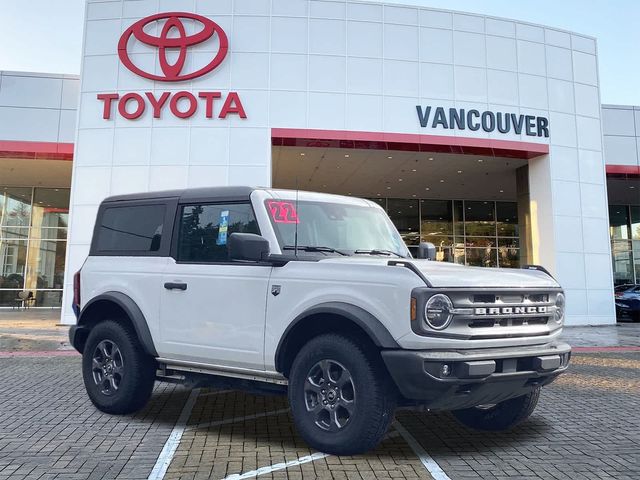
169	41
173	39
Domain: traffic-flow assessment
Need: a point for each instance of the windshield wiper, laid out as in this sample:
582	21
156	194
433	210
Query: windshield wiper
312	248
375	251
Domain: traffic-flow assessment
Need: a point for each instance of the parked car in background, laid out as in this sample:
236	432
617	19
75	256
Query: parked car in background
627	298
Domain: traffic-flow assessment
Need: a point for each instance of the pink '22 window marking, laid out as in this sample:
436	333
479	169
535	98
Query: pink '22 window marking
283	212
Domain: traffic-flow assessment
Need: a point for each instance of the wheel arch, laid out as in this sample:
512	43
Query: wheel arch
334	317
115	306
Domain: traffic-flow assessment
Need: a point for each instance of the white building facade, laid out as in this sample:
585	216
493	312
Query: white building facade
412	104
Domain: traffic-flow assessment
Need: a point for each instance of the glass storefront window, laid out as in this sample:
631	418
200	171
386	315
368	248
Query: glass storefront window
458	218
50	213
33	233
437	219
460	229
15	206
13	260
14	233
508	253
507	216
405	215
480	242
459	254
482	257
480	219
45	268
624	228
437	227
49	233
635	223
509	242
636	259
619	222
621	252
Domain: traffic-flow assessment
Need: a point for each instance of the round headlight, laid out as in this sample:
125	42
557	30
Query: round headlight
560	305
437	311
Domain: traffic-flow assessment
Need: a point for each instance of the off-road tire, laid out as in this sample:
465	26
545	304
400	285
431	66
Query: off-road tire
138	369
373	394
503	416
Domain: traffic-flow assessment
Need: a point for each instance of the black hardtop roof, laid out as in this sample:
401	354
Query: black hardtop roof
205	194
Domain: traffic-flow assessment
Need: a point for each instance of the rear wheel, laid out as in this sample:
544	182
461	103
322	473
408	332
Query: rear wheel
117	374
501	416
340	395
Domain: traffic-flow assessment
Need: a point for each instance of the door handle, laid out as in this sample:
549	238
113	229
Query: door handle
175	286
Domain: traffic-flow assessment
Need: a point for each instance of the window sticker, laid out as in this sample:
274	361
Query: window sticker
223	228
283	212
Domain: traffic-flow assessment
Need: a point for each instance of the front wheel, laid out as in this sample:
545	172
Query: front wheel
340	395
499	417
117	374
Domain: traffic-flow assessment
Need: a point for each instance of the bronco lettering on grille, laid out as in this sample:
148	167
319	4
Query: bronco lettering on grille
511	310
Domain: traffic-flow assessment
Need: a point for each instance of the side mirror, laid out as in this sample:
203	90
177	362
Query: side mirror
247	246
427	251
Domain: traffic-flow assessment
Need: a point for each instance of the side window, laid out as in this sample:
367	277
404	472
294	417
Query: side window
204	230
131	229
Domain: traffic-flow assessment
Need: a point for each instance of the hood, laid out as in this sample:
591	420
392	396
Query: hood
444	274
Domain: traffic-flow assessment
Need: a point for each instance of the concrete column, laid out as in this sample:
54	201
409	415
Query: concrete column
524	214
541	249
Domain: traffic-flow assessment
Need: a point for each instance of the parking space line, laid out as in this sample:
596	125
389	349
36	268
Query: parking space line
284	465
171	445
214	392
227	421
278	466
429	463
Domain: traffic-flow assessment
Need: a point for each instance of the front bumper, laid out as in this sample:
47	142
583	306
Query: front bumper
628	307
454	379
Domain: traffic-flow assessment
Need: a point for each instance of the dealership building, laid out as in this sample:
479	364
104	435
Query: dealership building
482	135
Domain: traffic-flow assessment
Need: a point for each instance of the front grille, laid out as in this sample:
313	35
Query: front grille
507	322
511	298
504	313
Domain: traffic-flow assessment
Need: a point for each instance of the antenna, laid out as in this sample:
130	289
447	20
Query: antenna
295	238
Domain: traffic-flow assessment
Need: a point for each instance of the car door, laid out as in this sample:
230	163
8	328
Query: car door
213	310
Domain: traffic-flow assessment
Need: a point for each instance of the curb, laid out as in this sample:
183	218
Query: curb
44	353
604	349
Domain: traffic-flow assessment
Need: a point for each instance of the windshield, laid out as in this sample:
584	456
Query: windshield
337	228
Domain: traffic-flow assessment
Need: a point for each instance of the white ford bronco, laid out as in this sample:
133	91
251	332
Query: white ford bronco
311	294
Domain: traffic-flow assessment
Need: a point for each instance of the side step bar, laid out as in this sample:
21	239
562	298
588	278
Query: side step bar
203	368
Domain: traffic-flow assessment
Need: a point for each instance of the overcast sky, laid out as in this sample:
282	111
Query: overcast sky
46	35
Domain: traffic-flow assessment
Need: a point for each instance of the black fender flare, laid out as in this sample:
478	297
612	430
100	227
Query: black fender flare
374	329
134	313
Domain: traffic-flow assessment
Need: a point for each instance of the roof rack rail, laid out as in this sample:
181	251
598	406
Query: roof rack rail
412	267
540	268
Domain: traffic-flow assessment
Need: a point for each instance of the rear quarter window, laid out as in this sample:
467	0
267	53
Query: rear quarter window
135	229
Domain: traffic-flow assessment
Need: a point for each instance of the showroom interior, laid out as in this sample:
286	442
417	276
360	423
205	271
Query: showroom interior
466	205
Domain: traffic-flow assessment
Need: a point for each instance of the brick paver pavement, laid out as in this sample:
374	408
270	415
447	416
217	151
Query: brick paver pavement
220	451
49	428
586	426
